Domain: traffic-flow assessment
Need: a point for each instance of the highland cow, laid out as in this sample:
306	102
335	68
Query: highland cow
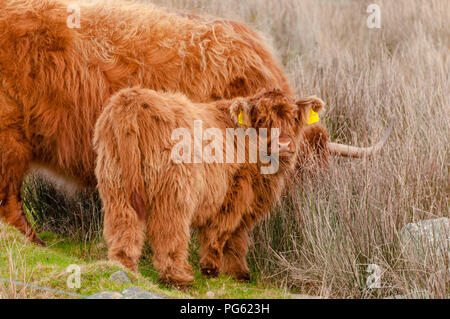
146	193
55	80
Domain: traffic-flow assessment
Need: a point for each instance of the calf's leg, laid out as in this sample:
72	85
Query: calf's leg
124	230
221	227
234	261
211	249
169	235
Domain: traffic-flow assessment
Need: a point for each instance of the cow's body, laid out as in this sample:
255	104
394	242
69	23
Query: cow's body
54	80
147	191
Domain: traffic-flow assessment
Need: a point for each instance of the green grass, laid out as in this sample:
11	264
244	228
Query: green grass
25	262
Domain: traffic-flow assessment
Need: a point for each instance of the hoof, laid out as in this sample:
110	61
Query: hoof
34	239
210	272
181	286
125	261
243	277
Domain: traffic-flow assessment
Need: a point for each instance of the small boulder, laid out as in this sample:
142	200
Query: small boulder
106	295
120	277
427	239
137	293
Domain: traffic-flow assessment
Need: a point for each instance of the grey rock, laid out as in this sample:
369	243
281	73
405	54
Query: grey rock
427	239
129	293
137	293
120	277
106	295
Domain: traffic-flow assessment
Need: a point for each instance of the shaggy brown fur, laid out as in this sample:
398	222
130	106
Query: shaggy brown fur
145	192
54	81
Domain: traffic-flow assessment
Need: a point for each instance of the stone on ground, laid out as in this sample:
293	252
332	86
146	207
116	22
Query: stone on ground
120	277
129	293
427	240
106	295
137	293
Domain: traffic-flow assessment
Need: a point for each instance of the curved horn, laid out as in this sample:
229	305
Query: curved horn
358	152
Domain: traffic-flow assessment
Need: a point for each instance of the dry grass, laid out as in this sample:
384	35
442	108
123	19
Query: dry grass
329	229
78	217
322	239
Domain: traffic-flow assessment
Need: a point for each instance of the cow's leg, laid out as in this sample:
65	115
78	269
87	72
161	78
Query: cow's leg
169	235
124	230
221	227
234	261
15	158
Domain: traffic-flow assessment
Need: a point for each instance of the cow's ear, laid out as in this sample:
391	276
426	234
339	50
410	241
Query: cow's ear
240	113
308	107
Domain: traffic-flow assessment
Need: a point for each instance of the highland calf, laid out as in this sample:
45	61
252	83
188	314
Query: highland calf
146	194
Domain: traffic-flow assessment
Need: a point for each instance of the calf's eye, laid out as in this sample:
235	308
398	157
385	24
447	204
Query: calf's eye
259	122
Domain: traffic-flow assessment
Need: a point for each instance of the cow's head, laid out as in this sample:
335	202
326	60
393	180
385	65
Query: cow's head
275	109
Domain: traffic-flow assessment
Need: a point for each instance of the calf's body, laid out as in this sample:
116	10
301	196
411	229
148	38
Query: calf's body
146	194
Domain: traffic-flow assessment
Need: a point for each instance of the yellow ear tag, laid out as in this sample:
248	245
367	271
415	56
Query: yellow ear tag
313	117
241	118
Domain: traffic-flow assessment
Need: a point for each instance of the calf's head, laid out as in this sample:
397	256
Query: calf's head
275	109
